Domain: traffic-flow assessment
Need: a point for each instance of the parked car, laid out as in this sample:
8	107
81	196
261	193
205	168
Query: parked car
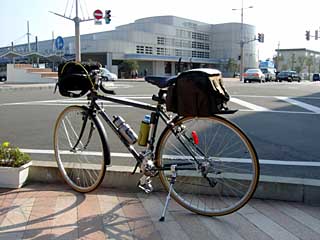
254	74
3	78
316	77
270	73
107	75
288	76
236	74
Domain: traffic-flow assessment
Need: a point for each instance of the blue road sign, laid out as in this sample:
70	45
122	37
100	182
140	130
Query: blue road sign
59	43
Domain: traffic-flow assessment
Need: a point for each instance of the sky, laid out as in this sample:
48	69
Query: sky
283	22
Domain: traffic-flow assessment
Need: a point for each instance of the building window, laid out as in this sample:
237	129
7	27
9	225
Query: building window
148	50
178	52
140	49
198	54
160	51
160	40
200	36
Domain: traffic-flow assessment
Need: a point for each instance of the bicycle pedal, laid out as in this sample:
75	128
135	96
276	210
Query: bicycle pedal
146	188
145	184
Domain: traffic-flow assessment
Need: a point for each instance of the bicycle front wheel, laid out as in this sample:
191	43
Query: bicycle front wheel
217	165
80	148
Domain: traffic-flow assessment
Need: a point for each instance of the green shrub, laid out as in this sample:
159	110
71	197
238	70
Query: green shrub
12	156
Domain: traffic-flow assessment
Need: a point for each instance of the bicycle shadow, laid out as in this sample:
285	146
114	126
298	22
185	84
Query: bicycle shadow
112	223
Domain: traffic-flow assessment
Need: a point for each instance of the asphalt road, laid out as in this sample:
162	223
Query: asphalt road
281	119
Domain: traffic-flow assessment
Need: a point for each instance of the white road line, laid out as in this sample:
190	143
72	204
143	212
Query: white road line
249	105
300	104
71	101
262	161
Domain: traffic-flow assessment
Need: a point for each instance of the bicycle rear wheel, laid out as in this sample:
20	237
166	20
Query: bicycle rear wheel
217	165
80	148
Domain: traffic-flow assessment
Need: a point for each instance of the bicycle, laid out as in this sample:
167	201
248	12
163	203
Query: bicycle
207	164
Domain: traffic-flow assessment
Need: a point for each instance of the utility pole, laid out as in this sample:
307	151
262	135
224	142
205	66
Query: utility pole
278	55
77	22
28	36
242	42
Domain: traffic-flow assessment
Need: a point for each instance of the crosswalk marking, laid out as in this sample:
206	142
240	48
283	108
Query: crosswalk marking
249	105
300	104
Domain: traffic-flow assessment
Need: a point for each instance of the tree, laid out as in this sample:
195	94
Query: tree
301	61
232	65
293	60
278	59
309	64
127	66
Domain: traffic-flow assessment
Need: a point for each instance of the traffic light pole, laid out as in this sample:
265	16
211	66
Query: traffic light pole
77	35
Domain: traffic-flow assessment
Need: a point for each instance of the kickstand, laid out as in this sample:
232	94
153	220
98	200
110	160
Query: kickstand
172	181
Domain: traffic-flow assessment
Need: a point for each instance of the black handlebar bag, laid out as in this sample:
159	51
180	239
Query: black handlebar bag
76	79
197	92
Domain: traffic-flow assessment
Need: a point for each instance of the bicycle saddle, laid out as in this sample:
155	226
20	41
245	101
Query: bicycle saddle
161	82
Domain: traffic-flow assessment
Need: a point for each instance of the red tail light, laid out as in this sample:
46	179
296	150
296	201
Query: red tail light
195	137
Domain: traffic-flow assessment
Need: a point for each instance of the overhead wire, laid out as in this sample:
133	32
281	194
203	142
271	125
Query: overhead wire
71	9
18	39
85	3
65	11
81	10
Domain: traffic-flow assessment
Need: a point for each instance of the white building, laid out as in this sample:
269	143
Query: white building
157	43
304	61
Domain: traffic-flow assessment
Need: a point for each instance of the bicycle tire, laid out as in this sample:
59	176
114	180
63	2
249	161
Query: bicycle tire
83	166
228	157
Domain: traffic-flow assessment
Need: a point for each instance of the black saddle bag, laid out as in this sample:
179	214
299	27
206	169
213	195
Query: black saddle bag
197	92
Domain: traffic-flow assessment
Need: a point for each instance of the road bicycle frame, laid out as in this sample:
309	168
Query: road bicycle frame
156	113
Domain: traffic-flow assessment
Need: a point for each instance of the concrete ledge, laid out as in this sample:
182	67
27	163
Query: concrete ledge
38	70
270	187
19	86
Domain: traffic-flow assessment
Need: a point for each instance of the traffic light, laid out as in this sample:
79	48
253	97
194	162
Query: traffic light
260	37
316	35
108	16
308	35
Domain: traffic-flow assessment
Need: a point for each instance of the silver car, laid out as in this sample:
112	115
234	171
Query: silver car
107	75
254	74
270	73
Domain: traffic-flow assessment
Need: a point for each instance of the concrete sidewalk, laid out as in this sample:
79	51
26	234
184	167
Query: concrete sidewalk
42	211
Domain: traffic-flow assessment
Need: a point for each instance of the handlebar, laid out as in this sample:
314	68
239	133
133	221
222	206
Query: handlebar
106	91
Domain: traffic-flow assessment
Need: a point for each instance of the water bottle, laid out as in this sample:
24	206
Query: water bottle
125	130
144	131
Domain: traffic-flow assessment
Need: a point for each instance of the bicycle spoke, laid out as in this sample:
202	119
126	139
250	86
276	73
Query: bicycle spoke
83	168
225	166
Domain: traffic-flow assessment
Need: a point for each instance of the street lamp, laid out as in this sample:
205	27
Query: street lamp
242	42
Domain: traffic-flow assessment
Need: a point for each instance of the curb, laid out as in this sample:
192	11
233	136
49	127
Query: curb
273	188
14	87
